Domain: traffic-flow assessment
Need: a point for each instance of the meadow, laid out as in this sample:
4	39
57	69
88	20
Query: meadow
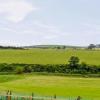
47	85
48	56
50	85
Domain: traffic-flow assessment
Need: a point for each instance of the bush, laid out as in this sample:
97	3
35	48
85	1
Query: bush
81	68
27	69
19	70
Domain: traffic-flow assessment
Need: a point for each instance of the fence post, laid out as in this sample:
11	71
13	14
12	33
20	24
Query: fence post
7	93
10	93
32	96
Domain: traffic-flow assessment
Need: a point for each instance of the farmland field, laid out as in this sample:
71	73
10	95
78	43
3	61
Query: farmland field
50	85
48	56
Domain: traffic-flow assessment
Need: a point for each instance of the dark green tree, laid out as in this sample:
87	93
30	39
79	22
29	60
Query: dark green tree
73	62
91	46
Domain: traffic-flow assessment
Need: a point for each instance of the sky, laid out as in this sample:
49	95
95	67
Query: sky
42	22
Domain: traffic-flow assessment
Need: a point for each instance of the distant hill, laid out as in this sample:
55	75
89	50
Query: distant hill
52	46
47	47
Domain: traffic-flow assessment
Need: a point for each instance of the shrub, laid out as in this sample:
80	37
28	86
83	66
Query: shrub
27	69
19	70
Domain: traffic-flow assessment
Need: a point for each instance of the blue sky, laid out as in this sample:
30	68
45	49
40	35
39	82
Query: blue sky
39	22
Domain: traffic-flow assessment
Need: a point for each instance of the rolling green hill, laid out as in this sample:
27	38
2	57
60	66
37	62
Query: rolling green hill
48	56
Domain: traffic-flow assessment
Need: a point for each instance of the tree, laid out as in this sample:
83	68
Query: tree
58	47
91	46
73	62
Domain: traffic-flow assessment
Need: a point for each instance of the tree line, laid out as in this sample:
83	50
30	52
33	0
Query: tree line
73	67
10	47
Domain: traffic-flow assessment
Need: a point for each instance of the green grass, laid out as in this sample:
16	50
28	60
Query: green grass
50	85
7	78
48	56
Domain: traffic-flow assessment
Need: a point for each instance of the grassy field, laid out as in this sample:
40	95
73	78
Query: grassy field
48	56
50	85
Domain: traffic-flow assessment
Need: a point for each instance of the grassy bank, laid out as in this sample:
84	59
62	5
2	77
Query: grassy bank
50	85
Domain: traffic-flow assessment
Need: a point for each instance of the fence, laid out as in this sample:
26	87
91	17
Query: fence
9	96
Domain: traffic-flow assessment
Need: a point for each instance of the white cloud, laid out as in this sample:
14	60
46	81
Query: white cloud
36	32
50	31
15	10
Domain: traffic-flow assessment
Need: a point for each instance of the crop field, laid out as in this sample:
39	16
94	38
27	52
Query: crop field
48	56
50	85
